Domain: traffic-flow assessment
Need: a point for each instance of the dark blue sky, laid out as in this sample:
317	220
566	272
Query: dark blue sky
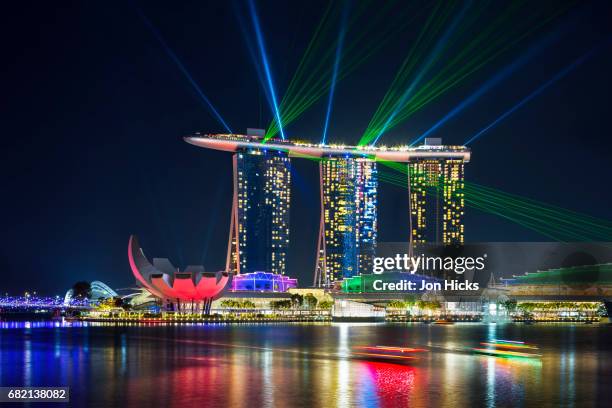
93	112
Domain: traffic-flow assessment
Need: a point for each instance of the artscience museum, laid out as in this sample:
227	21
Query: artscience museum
192	289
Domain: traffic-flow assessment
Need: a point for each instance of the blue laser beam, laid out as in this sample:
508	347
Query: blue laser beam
559	75
438	48
507	71
203	98
253	50
254	54
332	89
266	66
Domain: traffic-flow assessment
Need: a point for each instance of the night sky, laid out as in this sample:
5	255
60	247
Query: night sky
94	111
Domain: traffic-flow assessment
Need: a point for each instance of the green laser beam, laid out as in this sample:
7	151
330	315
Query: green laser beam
369	39
459	68
530	222
553	221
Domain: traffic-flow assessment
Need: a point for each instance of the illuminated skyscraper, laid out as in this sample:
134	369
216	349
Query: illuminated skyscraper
453	205
347	238
366	220
425	200
259	236
259	232
437	201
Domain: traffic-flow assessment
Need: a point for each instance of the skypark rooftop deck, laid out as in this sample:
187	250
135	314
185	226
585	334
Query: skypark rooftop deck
234	142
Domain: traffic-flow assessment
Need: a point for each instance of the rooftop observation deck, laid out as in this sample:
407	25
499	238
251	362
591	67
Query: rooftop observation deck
235	142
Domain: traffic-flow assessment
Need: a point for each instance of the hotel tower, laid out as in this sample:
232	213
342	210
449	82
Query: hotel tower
259	230
348	225
437	201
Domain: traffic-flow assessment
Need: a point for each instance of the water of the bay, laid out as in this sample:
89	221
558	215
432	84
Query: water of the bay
256	365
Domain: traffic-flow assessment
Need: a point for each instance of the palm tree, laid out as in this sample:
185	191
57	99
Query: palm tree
326	304
311	300
410	301
396	304
510	305
280	304
229	303
297	300
247	304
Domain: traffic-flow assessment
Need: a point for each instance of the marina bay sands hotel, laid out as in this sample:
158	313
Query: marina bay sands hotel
259	229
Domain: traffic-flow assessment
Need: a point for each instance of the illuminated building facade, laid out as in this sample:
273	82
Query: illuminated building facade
453	204
348	188
366	205
259	232
437	201
263	282
347	238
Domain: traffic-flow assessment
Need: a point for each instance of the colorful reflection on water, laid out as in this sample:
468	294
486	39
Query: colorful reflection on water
306	364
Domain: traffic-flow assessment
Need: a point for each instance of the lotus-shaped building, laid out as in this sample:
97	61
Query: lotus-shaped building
192	289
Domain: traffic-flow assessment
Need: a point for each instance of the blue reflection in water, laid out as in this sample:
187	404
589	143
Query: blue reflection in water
491	332
490	381
123	353
27	357
56	342
491	335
